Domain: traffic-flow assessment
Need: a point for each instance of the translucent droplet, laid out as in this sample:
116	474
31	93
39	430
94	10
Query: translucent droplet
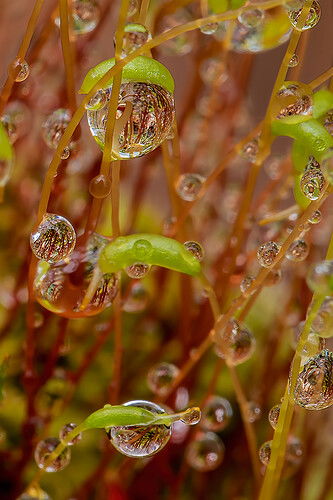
67	429
234	343
54	238
245	285
10	127
315	217
138	270
16	120
294	451
298	251
265	452
75	287
312	18
54	127
43	451
252	18
273	415
140	441
293	61
312	183
191	416
323	322
195	249
250	150
34	493
98	101
86	15
205	452
209	29
21	69
135	35
314	343
253	411
161	376
148	117
100	186
267	253
188	186
137	299
293	99
314	386
320	277
66	153
216	414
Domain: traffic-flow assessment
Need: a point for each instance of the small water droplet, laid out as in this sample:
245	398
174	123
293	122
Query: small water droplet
209	29
298	251
250	150
21	69
98	101
195	249
135	35
293	61
138	270
252	18
188	186
320	277
245	285
100	186
54	127
315	218
216	414
253	411
67	429
205	452
43	451
267	253
161	376
265	452
312	182
273	415
234	343
191	416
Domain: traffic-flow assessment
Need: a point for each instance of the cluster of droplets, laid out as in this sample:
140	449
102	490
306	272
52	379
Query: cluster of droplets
146	440
313	180
145	116
314	386
234	343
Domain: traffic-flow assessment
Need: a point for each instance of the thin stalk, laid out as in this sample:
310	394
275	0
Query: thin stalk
68	53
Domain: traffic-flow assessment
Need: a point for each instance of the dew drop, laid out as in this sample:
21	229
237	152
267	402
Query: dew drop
250	150
312	182
245	285
142	249
312	18
54	238
43	451
100	186
273	415
140	441
315	217
293	61
314	385
267	253
86	15
67	429
298	251
216	414
294	451
252	18
191	416
135	35
320	277
34	493
161	376
195	249
323	322
54	127
21	69
205	452
253	411
209	29
66	153
265	452
293	99
137	299
98	101
188	186
138	270
234	343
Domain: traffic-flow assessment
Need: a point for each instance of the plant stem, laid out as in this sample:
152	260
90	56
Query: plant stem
68	53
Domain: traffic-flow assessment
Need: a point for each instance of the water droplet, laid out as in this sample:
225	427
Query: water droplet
137	299
34	493
293	99
195	249
67	429
315	217
66	153
10	127
252	18
320	277
314	343
86	15
209	29
191	416
98	101
21	69
298	251
64	287
293	61
312	182
250	150
38	320
140	441
323	322
253	411
265	452
142	249
314	386
216	414
135	35
54	127
100	186
267	253
43	451
273	415
138	270
161	376
188	186
205	452
294	451
149	121
54	238
234	343
245	285
312	18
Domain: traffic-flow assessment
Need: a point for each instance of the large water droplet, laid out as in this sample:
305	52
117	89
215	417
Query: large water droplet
312	19
67	429
43	451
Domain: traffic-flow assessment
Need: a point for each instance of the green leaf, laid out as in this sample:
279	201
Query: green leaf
110	416
6	150
141	69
